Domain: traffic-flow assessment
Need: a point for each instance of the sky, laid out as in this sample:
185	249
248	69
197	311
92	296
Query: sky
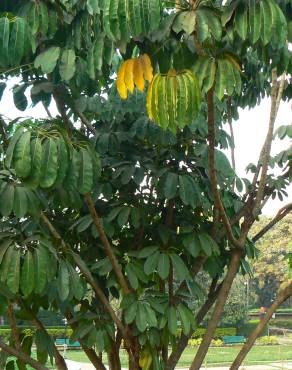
249	131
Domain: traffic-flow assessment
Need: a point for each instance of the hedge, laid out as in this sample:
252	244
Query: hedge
55	332
248	327
279	323
219	332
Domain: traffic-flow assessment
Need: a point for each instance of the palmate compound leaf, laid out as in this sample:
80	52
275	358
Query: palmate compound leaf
174	99
134	72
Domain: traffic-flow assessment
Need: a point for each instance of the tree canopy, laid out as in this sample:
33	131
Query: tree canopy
110	208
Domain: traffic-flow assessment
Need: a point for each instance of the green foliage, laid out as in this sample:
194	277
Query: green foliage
219	333
267	341
152	219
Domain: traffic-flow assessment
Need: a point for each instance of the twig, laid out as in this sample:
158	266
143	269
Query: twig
107	246
22	356
231	134
266	151
284	211
212	171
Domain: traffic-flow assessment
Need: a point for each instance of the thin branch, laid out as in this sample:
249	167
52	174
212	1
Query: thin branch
47	110
212	171
183	340
22	356
107	246
283	295
218	309
284	211
231	134
85	121
266	151
13	326
90	353
87	274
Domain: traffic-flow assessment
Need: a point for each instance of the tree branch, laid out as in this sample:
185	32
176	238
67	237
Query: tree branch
22	356
13	326
231	134
107	246
87	274
218	309
212	171
266	151
284	293
284	211
183	340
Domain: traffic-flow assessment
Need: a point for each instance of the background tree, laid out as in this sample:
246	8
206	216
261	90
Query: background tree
106	208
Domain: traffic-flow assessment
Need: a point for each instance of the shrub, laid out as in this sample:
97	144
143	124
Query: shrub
196	342
248	327
279	323
267	341
54	332
219	333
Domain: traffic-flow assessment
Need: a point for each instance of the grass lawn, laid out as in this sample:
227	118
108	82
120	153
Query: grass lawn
216	356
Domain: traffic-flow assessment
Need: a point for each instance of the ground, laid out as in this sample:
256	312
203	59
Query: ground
216	356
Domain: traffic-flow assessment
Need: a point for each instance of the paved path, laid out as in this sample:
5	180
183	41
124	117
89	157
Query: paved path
72	365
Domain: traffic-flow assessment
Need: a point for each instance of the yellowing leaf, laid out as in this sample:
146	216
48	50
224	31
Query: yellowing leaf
121	86
147	67
138	75
129	77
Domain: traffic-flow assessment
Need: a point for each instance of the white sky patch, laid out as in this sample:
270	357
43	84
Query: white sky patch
250	131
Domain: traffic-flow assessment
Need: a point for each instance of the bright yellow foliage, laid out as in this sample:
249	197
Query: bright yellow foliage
134	72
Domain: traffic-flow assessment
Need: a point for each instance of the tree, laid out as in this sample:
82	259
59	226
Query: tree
270	269
109	205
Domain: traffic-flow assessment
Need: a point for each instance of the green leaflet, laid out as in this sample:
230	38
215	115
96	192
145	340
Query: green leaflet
47	60
181	270
27	275
123	216
254	20
19	98
98	52
49	163
132	276
108	52
187	190
220	80
36	164
63	161
75	283
6	263
7	200
85	180
33	203
114	20
209	23
93	7
4	41
151	317
134	17
141	317
67	66
154	7
90	64
210	78
21	155
41	265
44	19
241	23
163	266
181	101
162	104
3	248
123	20
201	68
230	78
171	320
13	272
11	147
170	187
130	313
151	263
266	21
202	27
34	18
106	19
186	325
171	99
17	41
20	202
63	281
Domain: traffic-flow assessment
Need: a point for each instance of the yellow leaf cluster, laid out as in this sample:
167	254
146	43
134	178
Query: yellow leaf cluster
134	72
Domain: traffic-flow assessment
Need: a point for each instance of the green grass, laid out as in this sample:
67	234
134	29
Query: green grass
216	356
